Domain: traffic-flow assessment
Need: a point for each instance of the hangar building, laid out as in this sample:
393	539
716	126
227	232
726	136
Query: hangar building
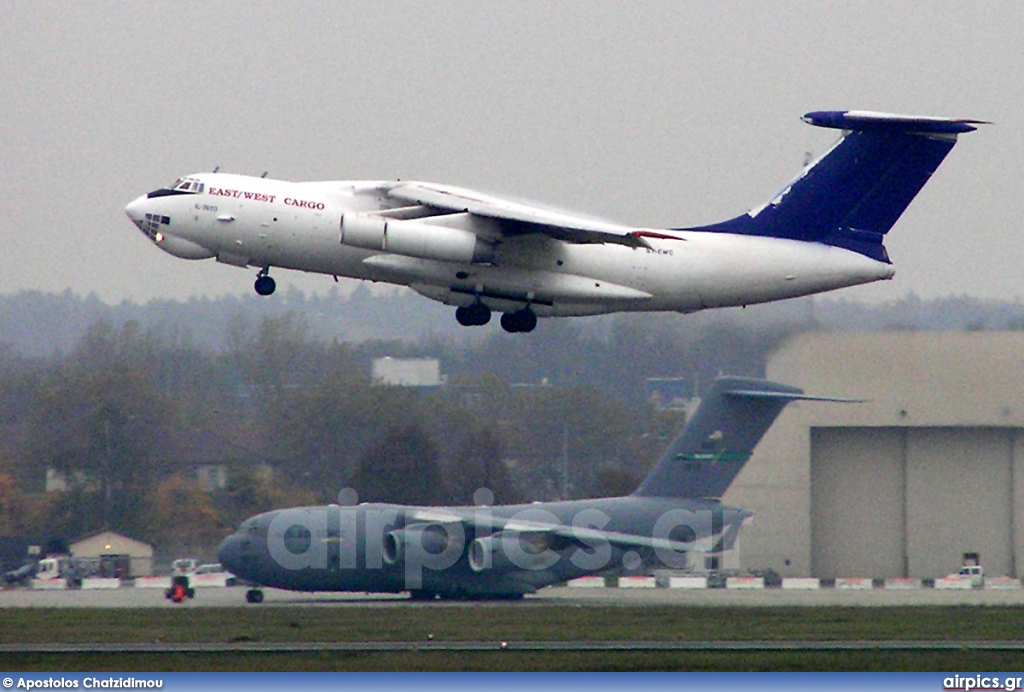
929	467
116	555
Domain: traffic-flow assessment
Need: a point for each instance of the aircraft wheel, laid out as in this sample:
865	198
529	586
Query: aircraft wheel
475	315
254	596
480	314
421	595
527	320
265	285
519	321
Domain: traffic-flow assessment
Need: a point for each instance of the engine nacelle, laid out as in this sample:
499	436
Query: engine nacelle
512	550
414	239
431	538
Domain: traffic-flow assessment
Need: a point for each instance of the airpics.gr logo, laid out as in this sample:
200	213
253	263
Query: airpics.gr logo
348	537
981	682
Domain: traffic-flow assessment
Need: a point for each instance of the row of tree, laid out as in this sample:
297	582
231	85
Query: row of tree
34	324
127	418
126	409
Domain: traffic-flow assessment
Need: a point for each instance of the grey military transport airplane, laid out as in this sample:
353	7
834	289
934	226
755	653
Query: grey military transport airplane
508	551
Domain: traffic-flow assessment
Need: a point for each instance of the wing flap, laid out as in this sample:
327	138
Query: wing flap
585	535
525	218
590	536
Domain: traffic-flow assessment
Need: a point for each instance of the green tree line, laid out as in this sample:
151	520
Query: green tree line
127	418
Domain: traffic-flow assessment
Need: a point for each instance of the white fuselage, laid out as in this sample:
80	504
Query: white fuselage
248	221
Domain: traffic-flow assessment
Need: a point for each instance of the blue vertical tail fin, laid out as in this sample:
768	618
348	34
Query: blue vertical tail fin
719	438
853	195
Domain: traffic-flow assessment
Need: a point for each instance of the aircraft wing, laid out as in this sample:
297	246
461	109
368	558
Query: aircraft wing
517	218
587	536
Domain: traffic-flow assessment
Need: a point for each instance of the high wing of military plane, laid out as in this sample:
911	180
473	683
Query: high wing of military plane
483	253
508	551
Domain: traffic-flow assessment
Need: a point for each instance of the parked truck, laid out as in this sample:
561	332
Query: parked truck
58	568
971	569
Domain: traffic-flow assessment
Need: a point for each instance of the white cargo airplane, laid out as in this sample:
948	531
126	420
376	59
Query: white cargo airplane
482	253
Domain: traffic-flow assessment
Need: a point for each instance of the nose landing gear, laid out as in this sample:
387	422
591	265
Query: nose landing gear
264	285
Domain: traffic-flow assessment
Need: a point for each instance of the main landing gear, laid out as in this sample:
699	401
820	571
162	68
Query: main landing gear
264	284
478	314
519	321
254	596
475	315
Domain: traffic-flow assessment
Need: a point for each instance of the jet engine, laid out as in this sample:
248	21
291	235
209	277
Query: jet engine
431	538
512	549
414	239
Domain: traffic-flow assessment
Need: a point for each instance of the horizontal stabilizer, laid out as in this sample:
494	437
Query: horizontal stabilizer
890	122
788	396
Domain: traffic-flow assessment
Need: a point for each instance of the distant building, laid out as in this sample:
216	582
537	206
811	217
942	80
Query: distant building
406	372
212	476
213	451
668	392
59	482
116	555
929	467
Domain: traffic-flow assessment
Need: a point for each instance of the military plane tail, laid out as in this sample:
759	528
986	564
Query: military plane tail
716	443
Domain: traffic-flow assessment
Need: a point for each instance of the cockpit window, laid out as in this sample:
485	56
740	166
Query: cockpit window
181	186
187	185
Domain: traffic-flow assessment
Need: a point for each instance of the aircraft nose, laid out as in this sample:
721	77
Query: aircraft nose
229	552
135	210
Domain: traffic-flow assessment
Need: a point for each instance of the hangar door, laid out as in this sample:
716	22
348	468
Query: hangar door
890	502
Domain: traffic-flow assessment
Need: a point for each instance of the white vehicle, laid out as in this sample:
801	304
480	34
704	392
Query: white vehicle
62	570
971	570
482	253
184	566
210	568
213	574
975	573
52	568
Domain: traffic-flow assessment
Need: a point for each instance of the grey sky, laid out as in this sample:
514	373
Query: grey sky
654	113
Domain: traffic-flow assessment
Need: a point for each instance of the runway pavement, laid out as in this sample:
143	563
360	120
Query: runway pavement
542	645
128	597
